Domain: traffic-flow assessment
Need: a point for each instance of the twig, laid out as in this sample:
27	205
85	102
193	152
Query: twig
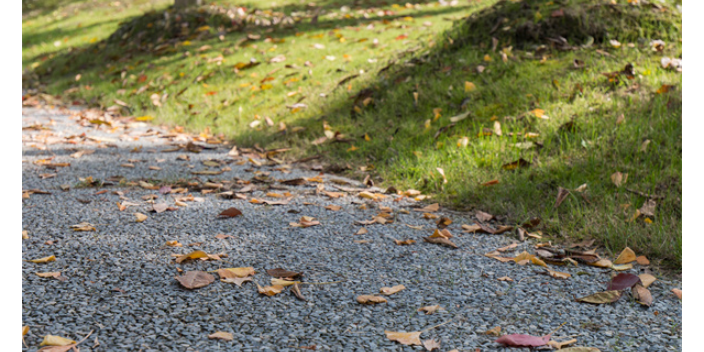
437	326
557	328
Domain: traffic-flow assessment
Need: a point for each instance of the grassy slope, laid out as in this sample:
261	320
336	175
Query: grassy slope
401	146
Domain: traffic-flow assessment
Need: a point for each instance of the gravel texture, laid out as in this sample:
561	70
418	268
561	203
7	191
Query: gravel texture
151	312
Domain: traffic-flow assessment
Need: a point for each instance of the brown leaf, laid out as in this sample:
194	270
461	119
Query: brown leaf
677	293
561	196
558	275
431	345
404	338
505	278
391	290
362	231
53	274
284	274
231	273
559	345
221	236
25	235
483	217
236	280
429	209
50	258
443	222
471	228
404	242
440	240
642	260
221	335
647	279
496	331
270	290
195	279
642	295
84	226
160	207
230	213
333	207
430	309
305	221
510	246
140	217
618	178
370	299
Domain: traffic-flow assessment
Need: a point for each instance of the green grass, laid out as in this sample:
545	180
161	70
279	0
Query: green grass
393	137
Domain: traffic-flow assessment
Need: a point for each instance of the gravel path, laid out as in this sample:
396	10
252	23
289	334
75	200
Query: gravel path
120	279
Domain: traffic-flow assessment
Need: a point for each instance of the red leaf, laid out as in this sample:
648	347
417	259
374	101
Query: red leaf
520	340
622	281
231	212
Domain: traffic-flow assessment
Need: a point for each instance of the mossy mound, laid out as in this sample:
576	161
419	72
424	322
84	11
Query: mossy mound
528	23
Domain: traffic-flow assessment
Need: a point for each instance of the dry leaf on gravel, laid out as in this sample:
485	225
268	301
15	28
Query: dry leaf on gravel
440	240
430	309
443	222
305	221
404	338
362	231
370	299
140	217
601	297
25	235
429	209
221	335
520	340
642	260
230	273
236	280
471	228
195	279
391	290
160	207
53	274
230	213
193	255
269	290
559	345
626	256
84	226
642	295
510	246
483	217
496	331
677	293
50	258
622	281
333	207
173	244
284	283
51	340
431	345
601	263
284	274
404	242
505	278
558	275
221	236
647	279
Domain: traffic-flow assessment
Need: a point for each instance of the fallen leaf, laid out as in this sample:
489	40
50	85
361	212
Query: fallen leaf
237	280
51	340
510	246
221	335
305	221
50	258
520	340
230	213
496	331
221	236
601	263
193	255
618	178
231	273
84	226
333	207
430	309
284	274
471	228
160	207
195	279
558	275
391	290
53	274
173	244
626	256
362	231
284	283
505	278
370	299
648	208
580	349
404	242
431	345
440	240
483	217
25	330
404	338
559	345
429	209
642	260
25	235
140	217
677	293
622	281
561	196
515	165
642	295
270	290
601	297
647	279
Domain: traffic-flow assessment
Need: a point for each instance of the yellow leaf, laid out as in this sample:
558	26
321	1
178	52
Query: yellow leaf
622	267
558	275
487	58
44	260
144	118
25	330
140	217
193	255
51	340
226	273
626	256
469	86
173	244
284	283
270	290
539	113
54	274
25	235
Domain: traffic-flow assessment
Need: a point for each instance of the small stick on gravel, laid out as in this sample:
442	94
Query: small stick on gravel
437	326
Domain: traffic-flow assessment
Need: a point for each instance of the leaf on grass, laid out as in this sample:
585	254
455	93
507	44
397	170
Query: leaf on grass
515	165
622	281
496	331
648	208
561	196
430	309
193	255
642	295
626	256
429	209
520	340
404	338
677	293
391	290
195	279
51	340
601	297
50	258
618	178
370	299
221	335
230	213
140	217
